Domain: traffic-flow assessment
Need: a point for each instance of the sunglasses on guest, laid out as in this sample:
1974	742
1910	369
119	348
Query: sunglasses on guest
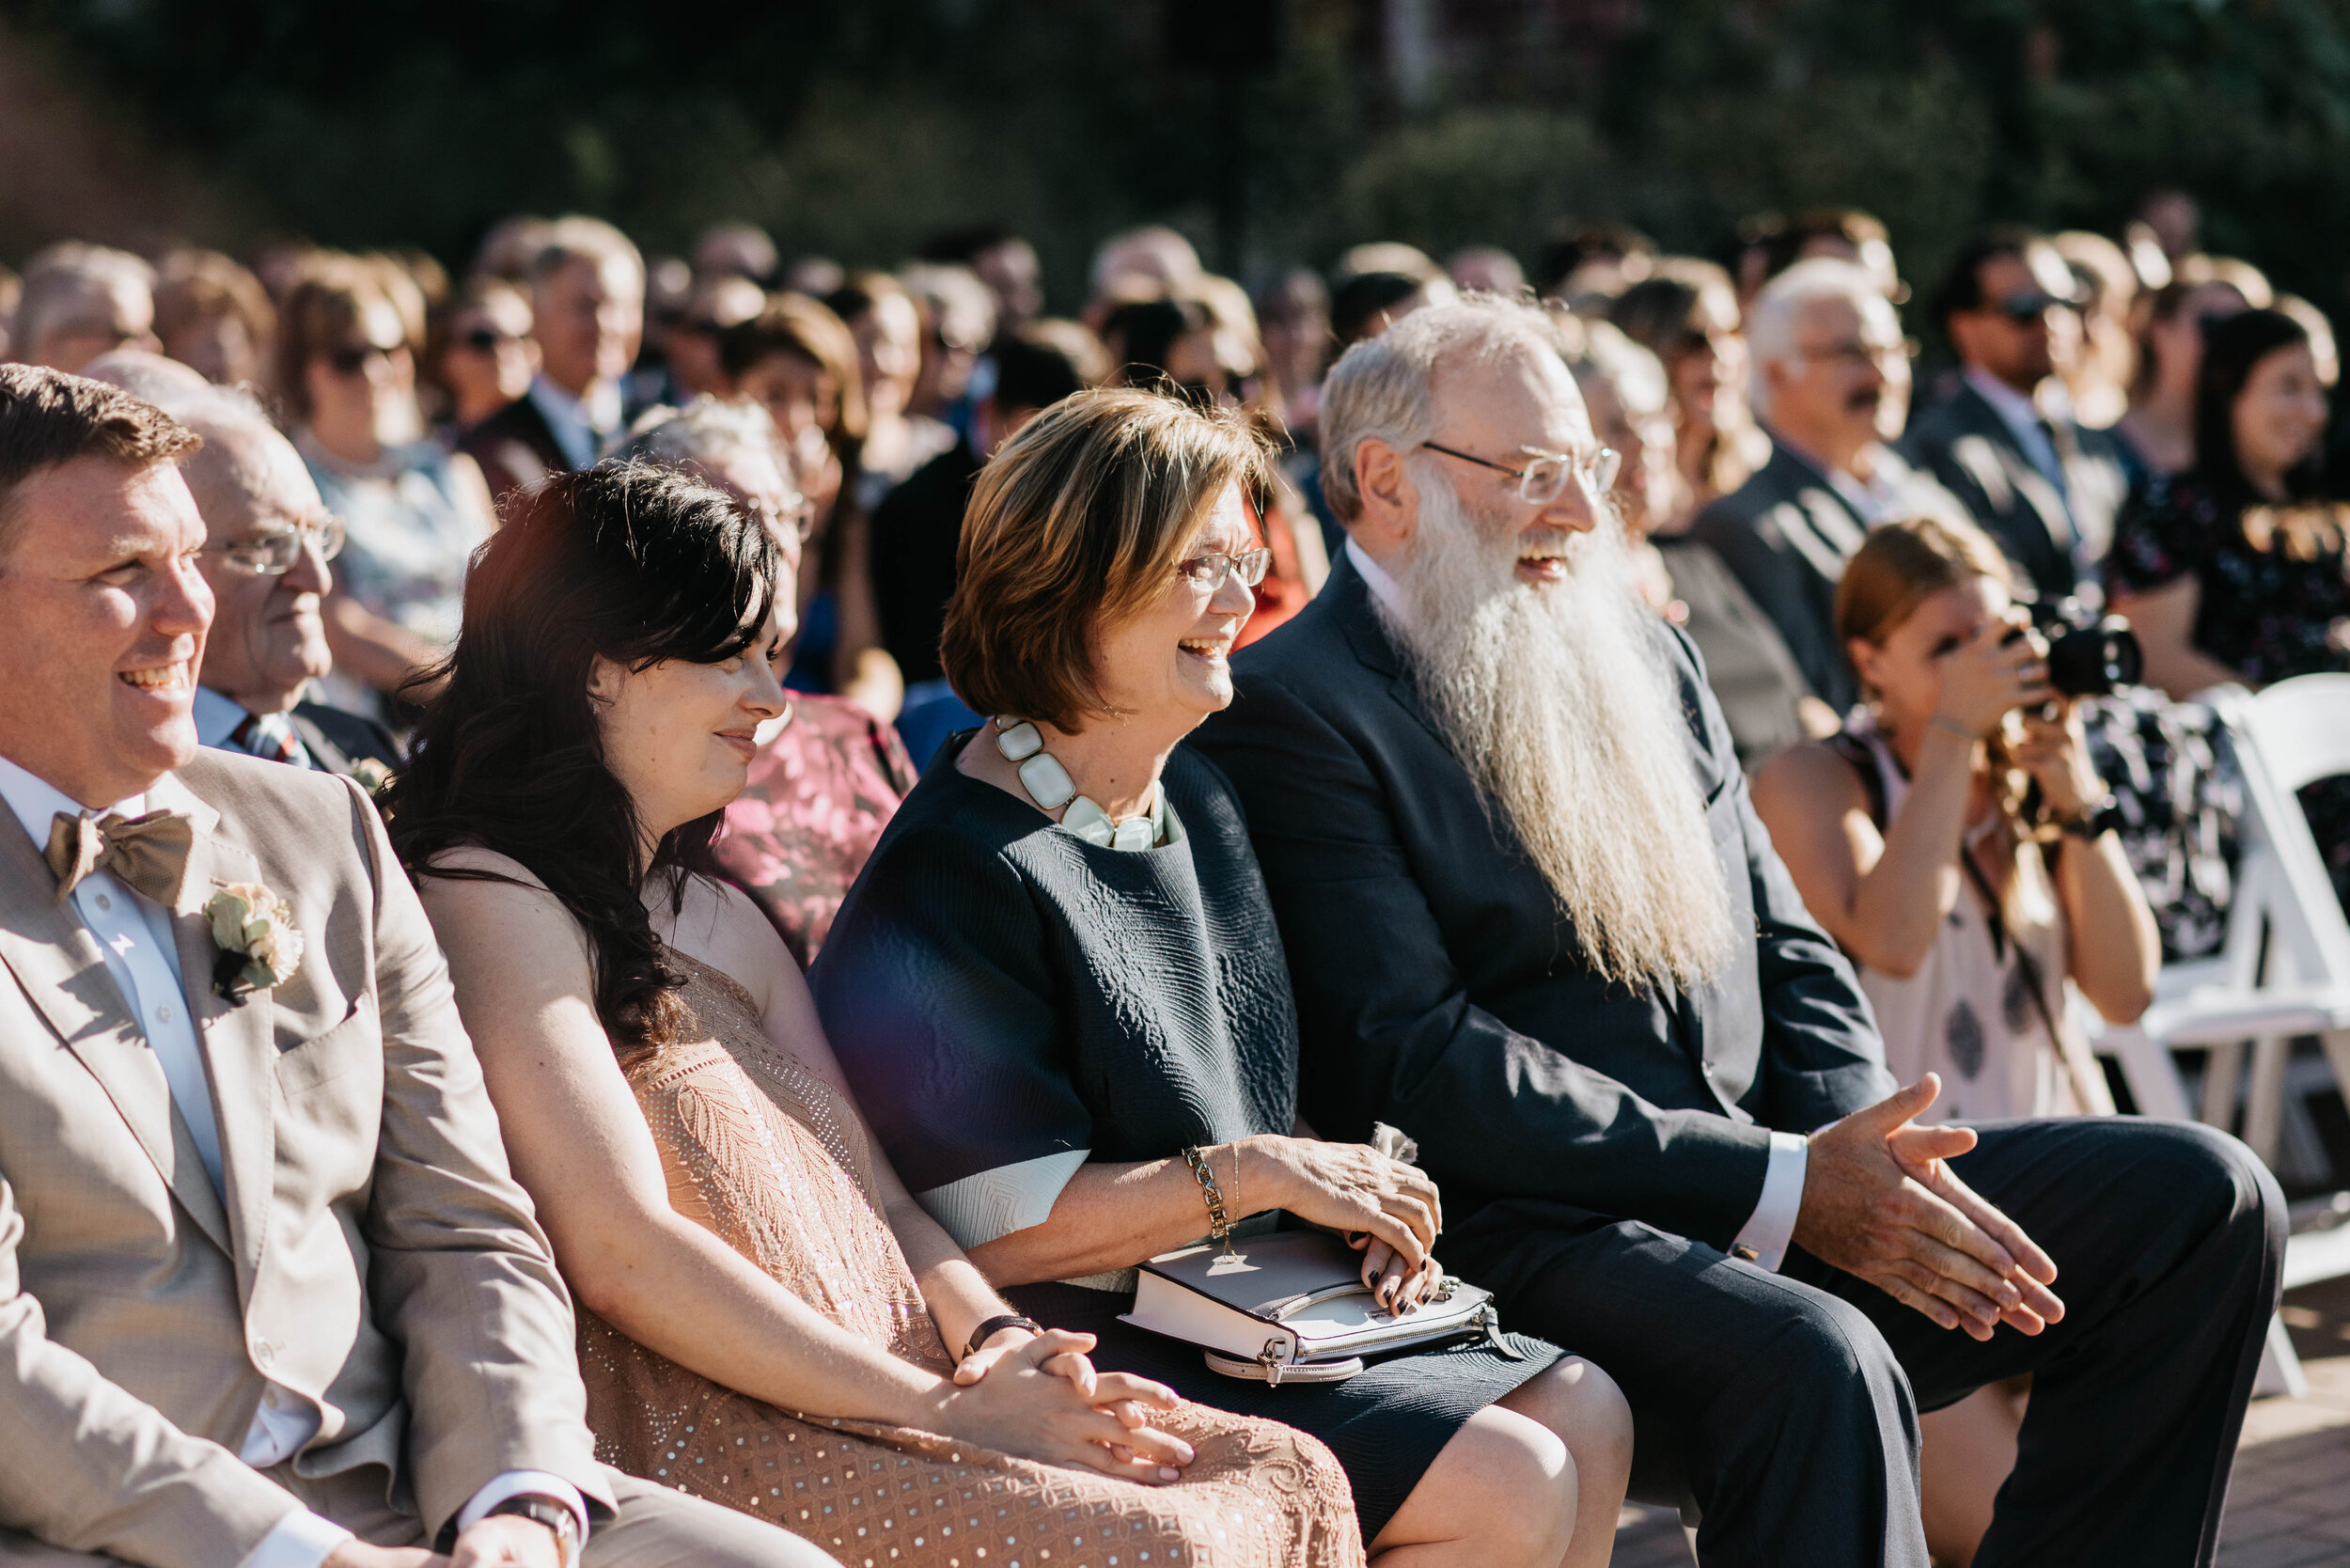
351	359
2029	306
487	339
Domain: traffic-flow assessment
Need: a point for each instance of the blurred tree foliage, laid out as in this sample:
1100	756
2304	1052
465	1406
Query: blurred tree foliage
856	128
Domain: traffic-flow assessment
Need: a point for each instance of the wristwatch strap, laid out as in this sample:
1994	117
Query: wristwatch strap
547	1511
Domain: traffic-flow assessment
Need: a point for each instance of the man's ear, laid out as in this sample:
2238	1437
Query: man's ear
1389	500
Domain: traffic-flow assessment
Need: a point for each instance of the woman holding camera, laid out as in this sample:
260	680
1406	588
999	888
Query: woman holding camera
1907	838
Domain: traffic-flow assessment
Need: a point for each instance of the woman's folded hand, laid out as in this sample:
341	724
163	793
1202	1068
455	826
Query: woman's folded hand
1351	1187
1041	1399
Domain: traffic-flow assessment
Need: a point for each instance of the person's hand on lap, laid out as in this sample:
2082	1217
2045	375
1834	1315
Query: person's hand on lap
507	1540
1881	1203
1038	1395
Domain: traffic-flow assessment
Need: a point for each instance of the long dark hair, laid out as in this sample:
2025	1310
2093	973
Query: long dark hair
625	562
2231	347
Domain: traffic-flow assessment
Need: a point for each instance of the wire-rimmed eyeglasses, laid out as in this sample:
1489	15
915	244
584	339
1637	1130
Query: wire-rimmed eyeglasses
271	550
1541	481
1209	572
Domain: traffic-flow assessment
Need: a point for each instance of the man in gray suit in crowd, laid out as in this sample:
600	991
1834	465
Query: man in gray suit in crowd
269	1297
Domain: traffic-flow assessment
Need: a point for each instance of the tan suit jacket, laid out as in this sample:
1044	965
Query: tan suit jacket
370	1253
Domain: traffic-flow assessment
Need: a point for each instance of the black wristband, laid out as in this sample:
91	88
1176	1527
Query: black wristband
996	1325
2093	821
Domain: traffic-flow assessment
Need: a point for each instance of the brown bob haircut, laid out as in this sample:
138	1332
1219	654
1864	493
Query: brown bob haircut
1901	565
1080	523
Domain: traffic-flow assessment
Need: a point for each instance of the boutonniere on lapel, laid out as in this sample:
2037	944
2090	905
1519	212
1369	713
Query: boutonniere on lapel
260	947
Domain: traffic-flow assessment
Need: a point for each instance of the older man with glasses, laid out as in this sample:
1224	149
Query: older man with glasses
1533	922
1830	384
2006	443
268	541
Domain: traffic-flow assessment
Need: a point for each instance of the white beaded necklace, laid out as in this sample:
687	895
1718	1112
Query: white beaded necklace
1049	785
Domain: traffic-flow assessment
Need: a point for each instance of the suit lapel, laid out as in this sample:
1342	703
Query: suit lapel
329	756
57	965
1373	644
239	1046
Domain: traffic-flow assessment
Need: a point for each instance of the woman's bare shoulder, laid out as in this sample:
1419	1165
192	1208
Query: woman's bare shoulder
1810	778
475	895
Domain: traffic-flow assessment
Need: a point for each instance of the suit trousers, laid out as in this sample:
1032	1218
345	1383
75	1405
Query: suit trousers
1786	1404
655	1528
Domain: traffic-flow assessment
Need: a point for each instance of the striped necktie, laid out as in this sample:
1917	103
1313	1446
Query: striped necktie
271	736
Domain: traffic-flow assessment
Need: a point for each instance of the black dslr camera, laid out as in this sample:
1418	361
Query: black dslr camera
2089	655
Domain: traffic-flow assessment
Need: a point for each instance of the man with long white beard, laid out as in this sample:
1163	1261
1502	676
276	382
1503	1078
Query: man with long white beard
1533	922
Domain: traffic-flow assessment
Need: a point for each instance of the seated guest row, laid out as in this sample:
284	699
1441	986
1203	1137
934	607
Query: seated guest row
1468	853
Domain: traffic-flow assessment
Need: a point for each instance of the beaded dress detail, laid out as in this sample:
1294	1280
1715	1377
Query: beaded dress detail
770	1158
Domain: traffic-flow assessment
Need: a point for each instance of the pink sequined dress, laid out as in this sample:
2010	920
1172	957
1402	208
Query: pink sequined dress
770	1157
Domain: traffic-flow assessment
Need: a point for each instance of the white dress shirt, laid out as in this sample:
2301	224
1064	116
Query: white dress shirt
580	426
142	954
1772	1226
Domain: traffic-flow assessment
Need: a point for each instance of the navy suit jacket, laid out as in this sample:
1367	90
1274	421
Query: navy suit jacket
1441	989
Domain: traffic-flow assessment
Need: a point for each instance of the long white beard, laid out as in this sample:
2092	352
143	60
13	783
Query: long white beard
1561	707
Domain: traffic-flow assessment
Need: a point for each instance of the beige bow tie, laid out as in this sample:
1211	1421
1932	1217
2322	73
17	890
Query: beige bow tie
148	852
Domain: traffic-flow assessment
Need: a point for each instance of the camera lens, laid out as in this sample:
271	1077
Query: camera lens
2092	660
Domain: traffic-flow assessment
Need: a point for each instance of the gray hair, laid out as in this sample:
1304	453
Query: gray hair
62	279
1380	389
702	434
179	391
1777	311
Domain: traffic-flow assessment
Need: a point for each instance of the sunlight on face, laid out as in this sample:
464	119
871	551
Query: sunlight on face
1170	661
680	735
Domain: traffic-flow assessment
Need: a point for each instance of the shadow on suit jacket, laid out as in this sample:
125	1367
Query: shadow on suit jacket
515	449
369	1248
1441	989
340	740
2051	535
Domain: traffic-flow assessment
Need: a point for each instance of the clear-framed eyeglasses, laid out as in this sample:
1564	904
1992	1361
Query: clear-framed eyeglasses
271	550
1547	475
1207	572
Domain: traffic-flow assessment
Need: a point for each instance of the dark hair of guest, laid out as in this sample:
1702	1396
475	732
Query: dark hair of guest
624	562
2233	348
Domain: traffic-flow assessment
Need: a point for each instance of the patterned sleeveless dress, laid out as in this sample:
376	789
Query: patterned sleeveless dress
771	1158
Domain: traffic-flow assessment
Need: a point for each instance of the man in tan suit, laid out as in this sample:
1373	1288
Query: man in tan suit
268	1295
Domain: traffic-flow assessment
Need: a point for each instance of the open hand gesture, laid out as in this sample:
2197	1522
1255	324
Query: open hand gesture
1880	1201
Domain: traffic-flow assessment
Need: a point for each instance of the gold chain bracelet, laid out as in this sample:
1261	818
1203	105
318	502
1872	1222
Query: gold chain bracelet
1219	1224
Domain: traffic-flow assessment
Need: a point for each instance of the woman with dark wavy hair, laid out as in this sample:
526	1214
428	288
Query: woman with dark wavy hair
765	1313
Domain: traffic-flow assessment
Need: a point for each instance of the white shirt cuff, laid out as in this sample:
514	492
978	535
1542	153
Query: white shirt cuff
523	1483
1772	1225
300	1540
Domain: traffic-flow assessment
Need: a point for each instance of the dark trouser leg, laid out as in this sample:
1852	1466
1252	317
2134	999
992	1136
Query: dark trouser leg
2169	1240
1778	1401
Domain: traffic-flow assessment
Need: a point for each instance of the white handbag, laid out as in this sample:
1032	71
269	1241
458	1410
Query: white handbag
1292	1306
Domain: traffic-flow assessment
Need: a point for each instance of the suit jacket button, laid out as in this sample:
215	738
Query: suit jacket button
263	1354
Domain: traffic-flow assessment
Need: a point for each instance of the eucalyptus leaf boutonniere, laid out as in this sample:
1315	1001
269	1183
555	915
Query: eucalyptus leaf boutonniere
260	946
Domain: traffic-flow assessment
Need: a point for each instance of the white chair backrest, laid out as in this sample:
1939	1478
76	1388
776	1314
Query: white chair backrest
2302	727
2294	732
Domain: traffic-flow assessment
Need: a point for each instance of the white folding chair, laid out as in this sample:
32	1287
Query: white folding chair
2283	969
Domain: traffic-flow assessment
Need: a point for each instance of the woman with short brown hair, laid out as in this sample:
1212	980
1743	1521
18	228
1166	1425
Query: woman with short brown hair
1059	993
